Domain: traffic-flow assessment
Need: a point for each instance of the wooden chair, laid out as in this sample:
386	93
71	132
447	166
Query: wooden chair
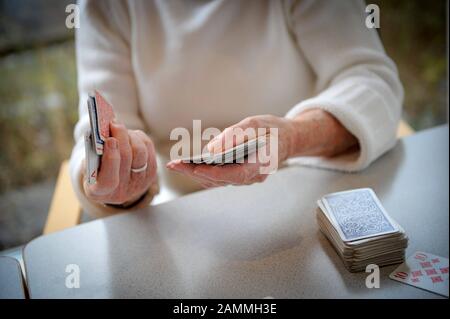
404	129
65	210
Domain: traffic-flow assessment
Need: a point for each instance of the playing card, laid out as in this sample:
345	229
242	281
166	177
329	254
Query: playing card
357	214
100	114
425	271
233	155
92	159
105	115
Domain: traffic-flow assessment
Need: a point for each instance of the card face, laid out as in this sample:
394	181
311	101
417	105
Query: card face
358	214
92	159
425	271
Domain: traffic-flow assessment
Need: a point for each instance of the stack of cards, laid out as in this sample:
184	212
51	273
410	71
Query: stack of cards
233	155
100	115
360	229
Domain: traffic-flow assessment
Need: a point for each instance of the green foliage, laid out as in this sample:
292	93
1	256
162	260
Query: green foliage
414	35
38	109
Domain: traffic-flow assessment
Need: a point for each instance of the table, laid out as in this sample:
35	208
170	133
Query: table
250	241
11	279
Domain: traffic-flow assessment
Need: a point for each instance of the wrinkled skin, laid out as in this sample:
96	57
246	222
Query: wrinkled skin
116	183
314	133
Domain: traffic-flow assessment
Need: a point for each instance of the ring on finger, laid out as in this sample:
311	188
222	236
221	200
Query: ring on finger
140	169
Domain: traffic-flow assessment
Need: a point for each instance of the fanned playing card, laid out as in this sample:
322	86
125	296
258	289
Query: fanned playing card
92	161
425	271
236	154
101	113
105	115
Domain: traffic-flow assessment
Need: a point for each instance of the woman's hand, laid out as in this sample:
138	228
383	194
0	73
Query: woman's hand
254	169
116	182
313	132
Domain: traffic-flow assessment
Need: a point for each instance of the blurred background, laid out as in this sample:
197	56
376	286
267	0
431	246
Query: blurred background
38	95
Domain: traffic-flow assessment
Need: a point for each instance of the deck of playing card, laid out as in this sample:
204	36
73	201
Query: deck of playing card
425	271
92	161
360	229
100	115
233	155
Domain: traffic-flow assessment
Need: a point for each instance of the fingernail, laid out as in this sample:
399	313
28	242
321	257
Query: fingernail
215	145
115	123
112	143
174	167
172	164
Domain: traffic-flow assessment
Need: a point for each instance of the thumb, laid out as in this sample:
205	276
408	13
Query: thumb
230	137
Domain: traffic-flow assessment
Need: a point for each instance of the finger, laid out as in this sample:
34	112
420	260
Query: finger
230	173
139	154
120	132
108	175
261	178
217	174
239	133
181	167
188	170
143	136
151	154
206	184
235	174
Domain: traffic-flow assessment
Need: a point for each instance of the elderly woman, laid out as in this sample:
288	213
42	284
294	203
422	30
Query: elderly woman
312	69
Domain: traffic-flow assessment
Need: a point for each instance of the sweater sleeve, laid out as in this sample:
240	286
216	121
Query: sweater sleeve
104	64
355	80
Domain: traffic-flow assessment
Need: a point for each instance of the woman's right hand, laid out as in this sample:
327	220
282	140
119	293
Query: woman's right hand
117	183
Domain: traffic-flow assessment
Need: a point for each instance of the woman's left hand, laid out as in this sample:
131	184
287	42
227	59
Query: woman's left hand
252	170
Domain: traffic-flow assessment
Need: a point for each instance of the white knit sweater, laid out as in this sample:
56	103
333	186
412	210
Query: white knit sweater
163	64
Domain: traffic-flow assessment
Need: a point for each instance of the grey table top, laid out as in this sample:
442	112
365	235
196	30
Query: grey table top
11	279
250	241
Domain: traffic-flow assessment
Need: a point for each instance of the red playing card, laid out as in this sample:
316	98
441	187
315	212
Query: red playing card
105	114
425	271
426	264
401	274
416	273
431	271
436	279
420	256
